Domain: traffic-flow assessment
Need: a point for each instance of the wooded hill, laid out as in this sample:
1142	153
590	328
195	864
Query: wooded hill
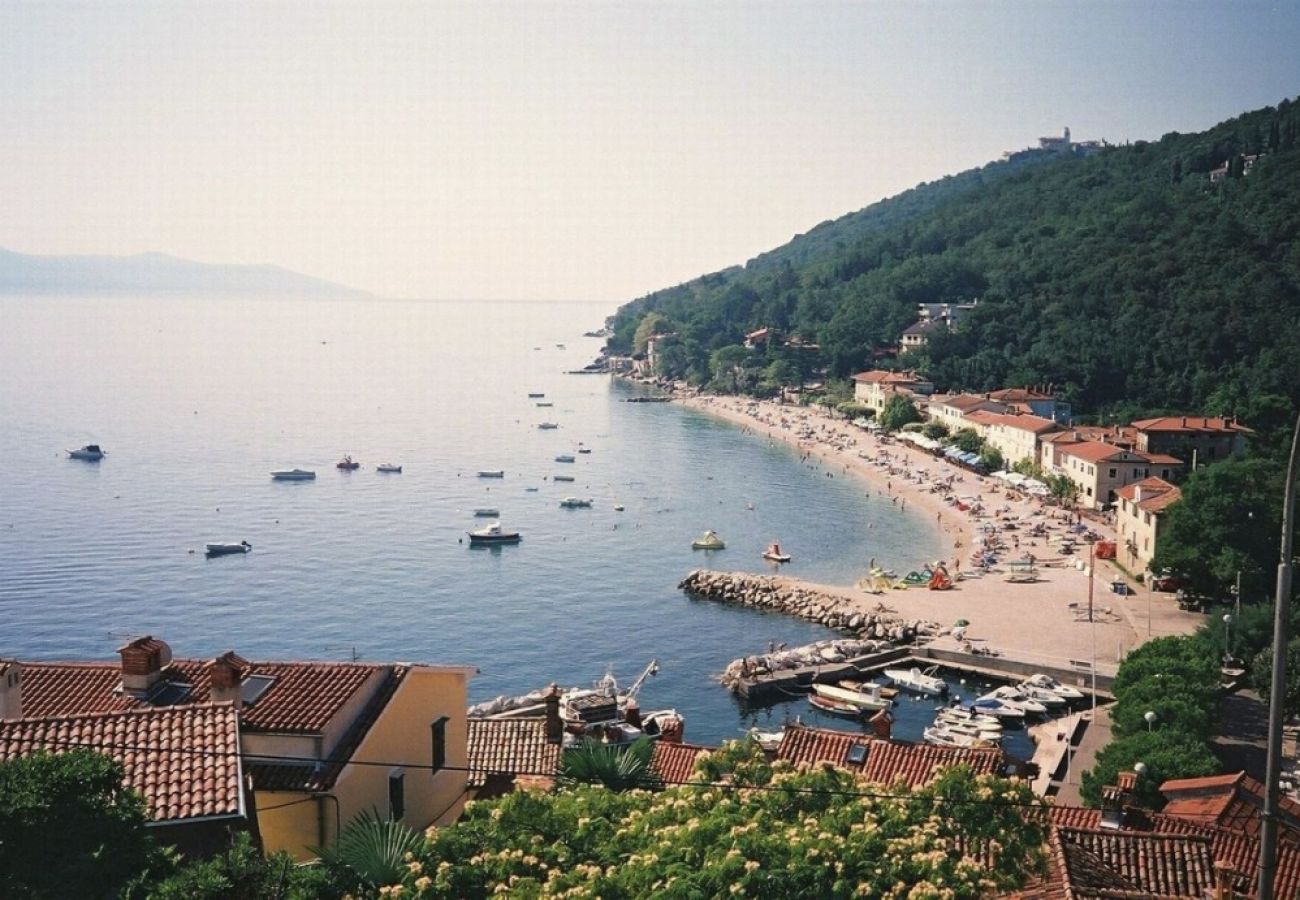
1129	278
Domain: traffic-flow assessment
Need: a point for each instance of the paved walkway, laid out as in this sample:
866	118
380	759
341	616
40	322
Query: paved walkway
1096	735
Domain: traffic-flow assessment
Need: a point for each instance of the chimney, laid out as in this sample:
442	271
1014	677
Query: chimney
1184	421
143	661
226	674
1223	879
632	713
1137	493
554	724
11	689
882	724
671	732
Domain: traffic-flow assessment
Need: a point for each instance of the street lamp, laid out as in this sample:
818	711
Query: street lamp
1227	637
1151	717
1140	768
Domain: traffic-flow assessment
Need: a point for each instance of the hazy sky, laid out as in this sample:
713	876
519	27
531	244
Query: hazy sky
591	151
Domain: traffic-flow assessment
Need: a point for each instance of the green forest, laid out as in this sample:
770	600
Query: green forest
1126	278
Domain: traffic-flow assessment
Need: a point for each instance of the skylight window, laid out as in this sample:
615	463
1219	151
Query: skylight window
253	687
857	754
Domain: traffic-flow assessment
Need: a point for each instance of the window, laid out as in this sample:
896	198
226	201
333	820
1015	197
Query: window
439	736
1113	472
396	795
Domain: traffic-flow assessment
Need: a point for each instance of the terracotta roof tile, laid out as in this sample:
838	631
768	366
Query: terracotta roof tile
510	746
1232	801
886	761
302	699
1020	395
184	760
1192	424
675	763
886	377
1095	862
1096	451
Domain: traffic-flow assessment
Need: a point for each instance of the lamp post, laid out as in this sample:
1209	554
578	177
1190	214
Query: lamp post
1281	629
1227	637
1149	579
1151	717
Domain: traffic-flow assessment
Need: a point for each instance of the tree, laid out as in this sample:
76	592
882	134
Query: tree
726	360
69	828
1167	754
370	851
898	411
243	873
992	458
617	768
1062	488
967	441
935	431
654	323
780	373
1261	675
754	829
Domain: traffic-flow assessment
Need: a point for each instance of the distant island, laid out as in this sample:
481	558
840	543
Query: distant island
154	273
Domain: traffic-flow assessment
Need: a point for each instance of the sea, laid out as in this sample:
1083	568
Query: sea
197	399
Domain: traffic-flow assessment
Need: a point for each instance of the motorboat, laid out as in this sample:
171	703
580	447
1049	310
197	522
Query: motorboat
990	735
347	463
566	458
1042	695
835	707
561	477
996	708
889	693
1047	682
953	715
227	549
869	699
491	473
536	394
90	452
493	534
584	449
293	475
388	467
548	426
619	507
575	503
773	554
708	541
1013	696
918	682
943	737
768	740
487	512
544	403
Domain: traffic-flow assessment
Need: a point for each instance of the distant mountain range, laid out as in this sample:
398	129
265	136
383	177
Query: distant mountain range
154	273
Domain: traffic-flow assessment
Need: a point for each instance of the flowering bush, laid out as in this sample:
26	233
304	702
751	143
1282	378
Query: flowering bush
760	830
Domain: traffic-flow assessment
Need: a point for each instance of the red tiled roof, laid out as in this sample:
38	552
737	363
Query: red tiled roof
886	761
1026	422
1098	451
1192	424
184	760
515	746
302	699
1094	862
675	763
966	402
1020	395
885	377
1231	801
1157	493
982	416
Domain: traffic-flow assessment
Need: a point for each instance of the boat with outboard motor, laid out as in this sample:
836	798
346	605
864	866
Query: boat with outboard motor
89	453
487	512
491	473
918	682
347	463
1014	696
293	474
869	699
835	707
708	541
773	554
494	534
388	467
548	426
1047	682
565	458
227	549
575	503
943	737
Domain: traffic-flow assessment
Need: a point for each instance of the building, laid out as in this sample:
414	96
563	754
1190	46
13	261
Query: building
1036	402
1233	802
184	761
932	317
321	742
1101	469
884	761
1138	514
1193	439
1056	144
917	335
874	388
1015	437
950	410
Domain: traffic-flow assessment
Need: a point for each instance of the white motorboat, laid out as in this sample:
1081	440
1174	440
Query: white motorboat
768	740
1013	696
1047	682
918	682
619	507
227	549
869	699
491	473
566	458
561	477
584	449
90	453
388	467
997	708
493	534
1048	698
708	541
984	734
487	512
548	426
773	554
544	403
964	716
575	503
943	737
293	475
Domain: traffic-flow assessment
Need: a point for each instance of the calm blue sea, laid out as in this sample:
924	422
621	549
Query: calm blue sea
197	400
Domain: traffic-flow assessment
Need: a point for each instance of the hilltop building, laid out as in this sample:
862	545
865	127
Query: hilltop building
931	318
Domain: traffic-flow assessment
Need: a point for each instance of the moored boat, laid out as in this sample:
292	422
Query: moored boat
835	707
997	708
1013	696
1042	695
293	474
544	403
548	426
491	473
708	541
90	453
575	503
347	463
536	394
561	477
870	699
945	737
227	549
388	467
487	512
918	682
1047	682
565	458
494	534
773	554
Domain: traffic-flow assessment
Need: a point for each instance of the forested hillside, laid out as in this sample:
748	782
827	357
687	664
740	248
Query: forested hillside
1128	279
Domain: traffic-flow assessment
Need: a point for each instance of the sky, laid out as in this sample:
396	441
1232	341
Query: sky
582	151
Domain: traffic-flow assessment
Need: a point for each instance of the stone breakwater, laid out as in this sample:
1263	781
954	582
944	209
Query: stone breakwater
769	593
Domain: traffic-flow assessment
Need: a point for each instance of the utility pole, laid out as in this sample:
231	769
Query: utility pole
1281	629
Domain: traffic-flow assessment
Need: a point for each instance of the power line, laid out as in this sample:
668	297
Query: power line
314	762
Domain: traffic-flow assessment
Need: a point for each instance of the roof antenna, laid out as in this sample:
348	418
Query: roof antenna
339	648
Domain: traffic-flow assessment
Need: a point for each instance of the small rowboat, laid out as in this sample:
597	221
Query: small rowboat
774	554
835	707
389	467
491	473
227	549
347	463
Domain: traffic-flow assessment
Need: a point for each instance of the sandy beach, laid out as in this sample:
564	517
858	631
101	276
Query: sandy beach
1045	620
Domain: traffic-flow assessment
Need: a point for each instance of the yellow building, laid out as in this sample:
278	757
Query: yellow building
1138	513
321	742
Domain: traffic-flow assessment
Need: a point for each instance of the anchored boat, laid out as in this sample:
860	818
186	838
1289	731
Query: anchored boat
708	541
493	534
293	475
90	452
773	554
918	682
227	549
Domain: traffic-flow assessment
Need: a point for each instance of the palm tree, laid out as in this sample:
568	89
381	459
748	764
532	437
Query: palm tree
617	768
372	849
